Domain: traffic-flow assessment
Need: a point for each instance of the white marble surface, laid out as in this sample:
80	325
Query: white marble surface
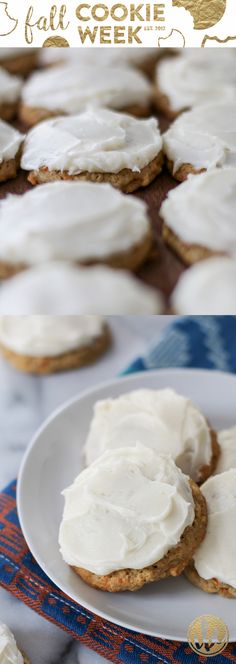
25	401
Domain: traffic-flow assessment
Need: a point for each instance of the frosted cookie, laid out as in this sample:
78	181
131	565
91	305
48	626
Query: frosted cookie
207	288
196	76
98	145
141	58
62	289
70	89
9	652
100	225
10	90
201	139
10	151
199	216
160	419
45	344
129	519
213	566
19	60
227	443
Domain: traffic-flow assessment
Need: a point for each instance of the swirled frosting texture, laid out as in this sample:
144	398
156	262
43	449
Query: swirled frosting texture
10	87
94	141
73	87
160	419
204	137
125	511
216	556
9	653
48	336
227	458
98	222
198	76
103	57
207	288
201	211
62	289
10	141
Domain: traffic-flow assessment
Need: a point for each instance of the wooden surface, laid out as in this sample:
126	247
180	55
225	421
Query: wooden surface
163	268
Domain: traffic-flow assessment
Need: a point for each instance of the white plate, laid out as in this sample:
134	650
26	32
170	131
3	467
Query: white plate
53	460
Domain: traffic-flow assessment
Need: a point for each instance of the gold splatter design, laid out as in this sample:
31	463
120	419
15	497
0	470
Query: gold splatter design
208	635
205	13
217	40
59	42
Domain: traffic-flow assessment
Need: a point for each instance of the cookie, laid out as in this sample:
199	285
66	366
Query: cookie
63	289
48	344
227	444
9	652
196	76
97	145
123	526
206	288
19	61
213	566
199	216
10	151
201	139
71	88
100	225
10	90
160	419
140	58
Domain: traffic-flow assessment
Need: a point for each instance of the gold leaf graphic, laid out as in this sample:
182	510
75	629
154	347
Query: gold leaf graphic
205	13
175	38
60	42
214	39
208	635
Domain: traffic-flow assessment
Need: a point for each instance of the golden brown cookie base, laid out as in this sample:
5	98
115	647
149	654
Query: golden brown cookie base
173	563
9	168
163	105
21	65
8	111
71	360
131	260
210	585
189	253
126	180
184	171
207	471
32	116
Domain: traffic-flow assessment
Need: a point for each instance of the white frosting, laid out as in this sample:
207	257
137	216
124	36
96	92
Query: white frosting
10	141
125	511
198	76
48	336
207	288
202	210
71	88
215	558
101	57
98	222
204	137
160	419
227	458
9	653
95	140
61	289
10	87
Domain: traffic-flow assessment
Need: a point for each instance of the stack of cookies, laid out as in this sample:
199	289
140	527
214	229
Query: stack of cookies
157	497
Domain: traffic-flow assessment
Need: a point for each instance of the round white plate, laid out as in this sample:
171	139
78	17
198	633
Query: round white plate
54	458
